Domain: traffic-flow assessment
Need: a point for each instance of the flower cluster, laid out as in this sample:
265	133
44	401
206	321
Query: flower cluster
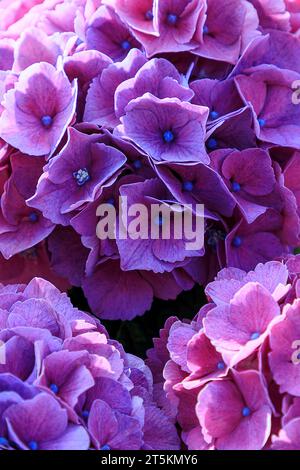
155	101
231	377
64	385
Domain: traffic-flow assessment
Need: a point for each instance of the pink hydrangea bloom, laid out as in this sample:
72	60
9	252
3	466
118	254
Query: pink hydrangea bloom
227	386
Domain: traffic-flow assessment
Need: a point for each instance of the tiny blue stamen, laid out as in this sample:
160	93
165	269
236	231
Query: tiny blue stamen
298	357
255	335
205	29
172	18
212	144
188	186
33	445
105	447
47	121
262	122
54	388
3	441
149	15
235	186
213	115
221	365
237	242
125	45
81	176
246	412
33	217
85	414
168	136
137	164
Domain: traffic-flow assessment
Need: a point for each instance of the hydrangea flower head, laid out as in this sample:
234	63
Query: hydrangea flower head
64	385
230	378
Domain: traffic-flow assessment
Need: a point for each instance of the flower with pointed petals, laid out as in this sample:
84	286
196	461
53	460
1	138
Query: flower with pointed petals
76	176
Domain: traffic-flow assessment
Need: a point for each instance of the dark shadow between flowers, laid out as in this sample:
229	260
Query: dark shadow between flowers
136	335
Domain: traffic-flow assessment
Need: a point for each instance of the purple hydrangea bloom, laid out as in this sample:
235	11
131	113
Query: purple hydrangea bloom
64	385
75	176
99	107
42	103
108	34
263	86
21	227
168	96
167	129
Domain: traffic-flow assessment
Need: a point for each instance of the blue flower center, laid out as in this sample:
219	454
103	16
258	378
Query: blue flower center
33	217
237	242
246	412
54	388
298	357
168	136
47	121
81	176
33	445
212	144
125	45
205	29
149	15
213	115
3	441
235	186
188	186
137	164
105	447
172	19
85	414
221	365
262	122
255	335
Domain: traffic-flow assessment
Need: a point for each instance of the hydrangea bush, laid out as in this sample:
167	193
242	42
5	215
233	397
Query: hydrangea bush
174	102
101	99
